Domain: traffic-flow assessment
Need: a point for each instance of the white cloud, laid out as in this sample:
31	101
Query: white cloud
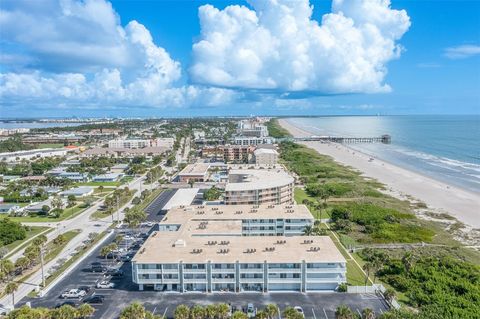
80	54
462	51
277	46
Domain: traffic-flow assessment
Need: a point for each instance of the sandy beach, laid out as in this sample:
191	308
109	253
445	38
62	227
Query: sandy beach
459	203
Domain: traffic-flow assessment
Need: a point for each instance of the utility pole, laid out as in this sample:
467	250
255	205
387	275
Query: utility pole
41	263
118	210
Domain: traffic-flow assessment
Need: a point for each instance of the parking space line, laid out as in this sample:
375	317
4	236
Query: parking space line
326	317
165	312
314	316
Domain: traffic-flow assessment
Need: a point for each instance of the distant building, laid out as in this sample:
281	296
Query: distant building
74	176
265	156
142	143
119	168
252	127
125	152
245	140
110	177
229	153
32	154
197	172
259	186
32	190
9	208
78	192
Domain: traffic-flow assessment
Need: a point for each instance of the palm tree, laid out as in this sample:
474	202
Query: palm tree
197	312
308	231
210	311
222	311
134	311
6	267
261	314
239	315
22	263
64	312
367	267
182	312
272	310
10	289
85	310
368	313
344	312
389	294
408	261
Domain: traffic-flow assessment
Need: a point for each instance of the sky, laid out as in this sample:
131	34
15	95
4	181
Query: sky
61	58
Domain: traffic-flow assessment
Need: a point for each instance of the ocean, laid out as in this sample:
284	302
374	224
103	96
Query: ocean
444	147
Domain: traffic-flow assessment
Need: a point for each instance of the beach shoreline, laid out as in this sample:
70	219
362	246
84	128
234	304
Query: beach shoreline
400	182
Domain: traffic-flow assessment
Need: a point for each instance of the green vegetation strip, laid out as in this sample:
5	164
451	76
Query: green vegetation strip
75	257
67	213
31	233
275	130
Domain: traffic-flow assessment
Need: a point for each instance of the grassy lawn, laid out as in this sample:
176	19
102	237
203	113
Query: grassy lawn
18	244
67	213
55	250
300	195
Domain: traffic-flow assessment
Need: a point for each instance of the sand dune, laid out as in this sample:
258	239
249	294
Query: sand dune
462	204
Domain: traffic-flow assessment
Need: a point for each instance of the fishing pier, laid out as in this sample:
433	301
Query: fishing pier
385	139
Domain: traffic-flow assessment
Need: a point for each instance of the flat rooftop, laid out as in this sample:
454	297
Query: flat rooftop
253	179
195	169
182	215
169	247
182	197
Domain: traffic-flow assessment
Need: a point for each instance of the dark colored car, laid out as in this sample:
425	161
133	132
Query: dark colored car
93	300
98	269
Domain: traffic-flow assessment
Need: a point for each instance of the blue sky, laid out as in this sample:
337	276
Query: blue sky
423	60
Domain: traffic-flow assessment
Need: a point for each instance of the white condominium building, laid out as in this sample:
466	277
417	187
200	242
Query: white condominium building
252	127
240	220
141	143
246	140
265	156
259	186
203	250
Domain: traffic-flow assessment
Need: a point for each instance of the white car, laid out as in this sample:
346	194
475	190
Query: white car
73	293
299	310
105	285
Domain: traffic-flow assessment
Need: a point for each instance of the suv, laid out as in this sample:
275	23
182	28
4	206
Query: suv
98	268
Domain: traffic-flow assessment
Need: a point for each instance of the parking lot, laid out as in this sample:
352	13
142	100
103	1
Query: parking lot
315	305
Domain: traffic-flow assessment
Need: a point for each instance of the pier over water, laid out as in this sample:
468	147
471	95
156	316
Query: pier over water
385	139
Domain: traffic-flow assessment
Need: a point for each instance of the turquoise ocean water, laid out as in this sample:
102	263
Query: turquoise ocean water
444	147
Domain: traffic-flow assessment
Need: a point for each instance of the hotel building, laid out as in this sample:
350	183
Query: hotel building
259	186
213	249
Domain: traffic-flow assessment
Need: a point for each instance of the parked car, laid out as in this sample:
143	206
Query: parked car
105	285
73	293
66	303
115	273
299	310
98	269
125	258
93	300
251	311
85	288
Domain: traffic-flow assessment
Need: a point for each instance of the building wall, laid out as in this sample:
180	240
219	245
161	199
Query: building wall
277	195
240	277
266	158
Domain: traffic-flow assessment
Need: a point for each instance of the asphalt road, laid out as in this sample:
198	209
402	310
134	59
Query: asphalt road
315	305
154	209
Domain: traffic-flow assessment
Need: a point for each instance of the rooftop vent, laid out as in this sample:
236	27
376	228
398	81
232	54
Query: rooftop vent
180	243
197	251
250	251
315	248
280	242
223	251
212	242
308	241
224	242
